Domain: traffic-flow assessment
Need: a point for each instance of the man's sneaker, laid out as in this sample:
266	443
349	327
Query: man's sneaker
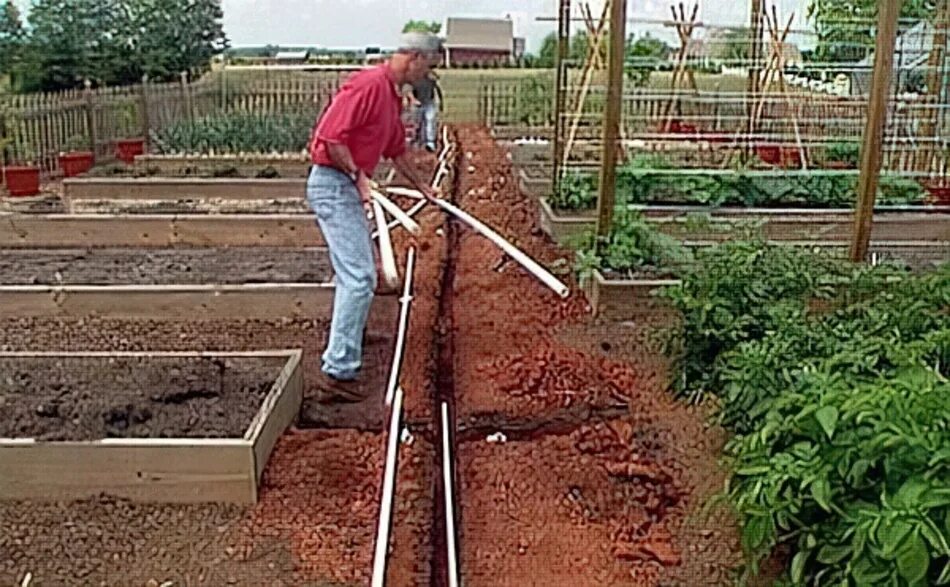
430	148
338	391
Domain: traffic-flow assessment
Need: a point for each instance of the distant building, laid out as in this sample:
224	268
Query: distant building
479	41
291	57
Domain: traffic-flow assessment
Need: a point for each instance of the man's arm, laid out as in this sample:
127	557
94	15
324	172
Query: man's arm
343	160
402	165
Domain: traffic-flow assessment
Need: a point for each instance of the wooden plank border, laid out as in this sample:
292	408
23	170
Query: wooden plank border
174	470
181	188
184	302
158	230
896	224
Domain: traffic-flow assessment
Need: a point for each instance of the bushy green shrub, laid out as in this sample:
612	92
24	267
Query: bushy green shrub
834	379
237	133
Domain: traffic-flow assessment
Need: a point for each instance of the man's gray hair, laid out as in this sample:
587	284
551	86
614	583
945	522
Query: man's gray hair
418	42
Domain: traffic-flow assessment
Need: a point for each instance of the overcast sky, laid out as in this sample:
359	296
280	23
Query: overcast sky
359	23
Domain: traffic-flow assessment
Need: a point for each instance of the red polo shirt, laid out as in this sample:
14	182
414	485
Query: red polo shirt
364	116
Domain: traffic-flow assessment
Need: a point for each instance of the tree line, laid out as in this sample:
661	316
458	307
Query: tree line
63	43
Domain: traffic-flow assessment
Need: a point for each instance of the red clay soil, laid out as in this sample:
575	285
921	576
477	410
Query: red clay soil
314	525
610	501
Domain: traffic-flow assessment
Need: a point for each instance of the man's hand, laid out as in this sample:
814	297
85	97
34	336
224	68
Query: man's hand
363	187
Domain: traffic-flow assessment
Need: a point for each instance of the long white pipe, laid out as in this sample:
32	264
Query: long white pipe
405	302
390	273
449	499
405	192
514	252
389	485
416	208
397	213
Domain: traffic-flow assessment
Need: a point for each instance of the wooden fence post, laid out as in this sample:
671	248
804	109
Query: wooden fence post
611	145
186	98
90	108
143	107
880	91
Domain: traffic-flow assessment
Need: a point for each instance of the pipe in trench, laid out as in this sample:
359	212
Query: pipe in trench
405	303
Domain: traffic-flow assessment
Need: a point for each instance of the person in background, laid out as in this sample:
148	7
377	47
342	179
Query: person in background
424	94
361	125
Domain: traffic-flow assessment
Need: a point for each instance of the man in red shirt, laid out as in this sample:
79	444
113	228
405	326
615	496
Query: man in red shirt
361	125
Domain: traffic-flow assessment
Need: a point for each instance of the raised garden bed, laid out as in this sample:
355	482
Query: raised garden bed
182	266
167	427
163	188
891	223
245	166
162	230
619	297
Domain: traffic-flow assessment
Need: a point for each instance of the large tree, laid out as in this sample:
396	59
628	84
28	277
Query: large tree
846	29
12	37
644	55
117	41
174	36
422	26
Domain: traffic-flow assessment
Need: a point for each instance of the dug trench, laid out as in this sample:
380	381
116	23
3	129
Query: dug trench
573	465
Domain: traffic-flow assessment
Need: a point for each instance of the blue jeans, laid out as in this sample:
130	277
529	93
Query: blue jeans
336	202
428	124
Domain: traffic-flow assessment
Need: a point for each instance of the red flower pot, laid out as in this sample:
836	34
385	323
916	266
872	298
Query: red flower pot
76	163
688	129
23	181
791	157
771	154
939	191
127	149
675	126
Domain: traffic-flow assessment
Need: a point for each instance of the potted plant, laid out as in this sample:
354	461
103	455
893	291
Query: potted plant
771	154
127	149
842	156
76	160
23	180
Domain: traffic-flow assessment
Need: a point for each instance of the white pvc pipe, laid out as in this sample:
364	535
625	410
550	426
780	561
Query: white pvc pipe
389	485
397	213
449	499
514	252
410	212
390	273
406	193
405	302
391	175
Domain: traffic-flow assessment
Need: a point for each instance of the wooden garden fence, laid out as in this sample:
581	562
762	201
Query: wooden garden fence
36	128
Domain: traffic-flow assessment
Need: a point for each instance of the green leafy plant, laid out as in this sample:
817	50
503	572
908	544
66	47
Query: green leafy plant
76	143
739	291
577	191
237	133
632	246
834	379
844	153
845	450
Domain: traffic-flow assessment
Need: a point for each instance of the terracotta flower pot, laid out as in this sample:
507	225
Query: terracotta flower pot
939	191
127	149
22	181
771	154
76	163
